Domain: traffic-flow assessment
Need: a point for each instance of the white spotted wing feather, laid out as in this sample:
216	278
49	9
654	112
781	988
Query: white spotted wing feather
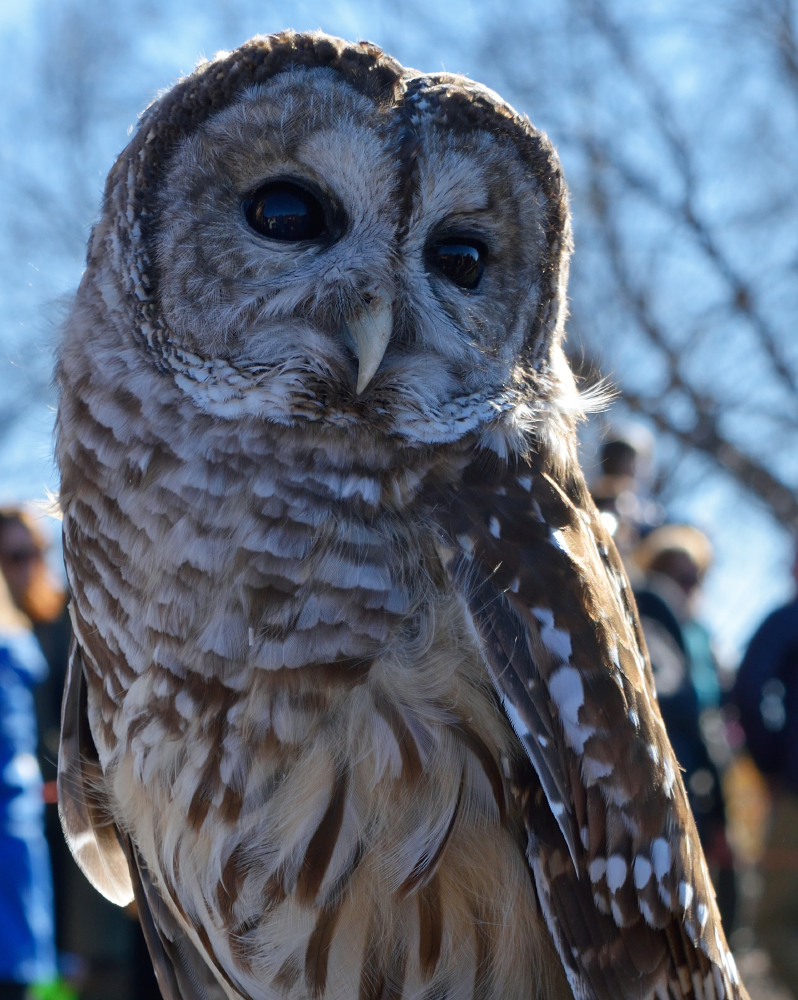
612	843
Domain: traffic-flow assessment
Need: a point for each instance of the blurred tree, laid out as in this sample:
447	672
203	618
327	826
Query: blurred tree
706	284
678	125
56	66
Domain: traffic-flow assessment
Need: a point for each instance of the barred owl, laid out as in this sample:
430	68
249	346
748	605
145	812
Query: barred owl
358	704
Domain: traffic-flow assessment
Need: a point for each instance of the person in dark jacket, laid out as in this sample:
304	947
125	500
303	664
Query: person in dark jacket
674	559
766	695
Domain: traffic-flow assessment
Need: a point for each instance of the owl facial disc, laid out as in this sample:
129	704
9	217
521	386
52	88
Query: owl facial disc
370	330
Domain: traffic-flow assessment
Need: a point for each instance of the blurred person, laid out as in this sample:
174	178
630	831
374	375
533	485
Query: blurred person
621	491
27	932
96	939
673	561
31	583
39	595
766	695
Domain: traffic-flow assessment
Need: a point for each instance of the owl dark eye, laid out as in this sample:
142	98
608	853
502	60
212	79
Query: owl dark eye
286	212
461	261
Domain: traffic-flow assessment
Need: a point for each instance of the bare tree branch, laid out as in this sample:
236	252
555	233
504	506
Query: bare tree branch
742	296
707	438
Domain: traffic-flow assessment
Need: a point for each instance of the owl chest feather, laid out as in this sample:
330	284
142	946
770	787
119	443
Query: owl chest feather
297	730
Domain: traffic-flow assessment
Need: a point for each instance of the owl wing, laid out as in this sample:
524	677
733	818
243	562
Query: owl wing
108	858
180	969
612	843
92	836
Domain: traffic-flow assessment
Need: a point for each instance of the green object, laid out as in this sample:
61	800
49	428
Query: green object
55	989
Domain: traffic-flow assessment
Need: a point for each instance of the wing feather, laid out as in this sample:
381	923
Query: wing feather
611	840
182	973
85	816
108	858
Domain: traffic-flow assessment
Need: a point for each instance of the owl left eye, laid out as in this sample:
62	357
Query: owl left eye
285	212
461	261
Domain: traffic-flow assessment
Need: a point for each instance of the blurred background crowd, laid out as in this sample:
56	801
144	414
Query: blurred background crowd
677	124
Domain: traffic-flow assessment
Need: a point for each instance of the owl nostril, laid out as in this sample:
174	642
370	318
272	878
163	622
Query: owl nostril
371	291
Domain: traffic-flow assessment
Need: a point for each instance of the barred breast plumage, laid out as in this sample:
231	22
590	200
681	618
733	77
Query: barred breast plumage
357	706
304	746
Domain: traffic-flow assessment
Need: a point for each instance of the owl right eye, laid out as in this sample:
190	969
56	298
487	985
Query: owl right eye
286	212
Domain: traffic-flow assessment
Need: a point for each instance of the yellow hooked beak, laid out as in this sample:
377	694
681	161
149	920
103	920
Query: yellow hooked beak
370	329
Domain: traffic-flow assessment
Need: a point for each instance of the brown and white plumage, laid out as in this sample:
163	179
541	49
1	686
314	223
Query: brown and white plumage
358	703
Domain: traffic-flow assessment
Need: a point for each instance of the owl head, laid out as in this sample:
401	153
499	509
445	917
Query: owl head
304	231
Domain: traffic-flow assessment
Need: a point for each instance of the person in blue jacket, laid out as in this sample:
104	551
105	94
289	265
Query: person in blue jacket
27	935
766	696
